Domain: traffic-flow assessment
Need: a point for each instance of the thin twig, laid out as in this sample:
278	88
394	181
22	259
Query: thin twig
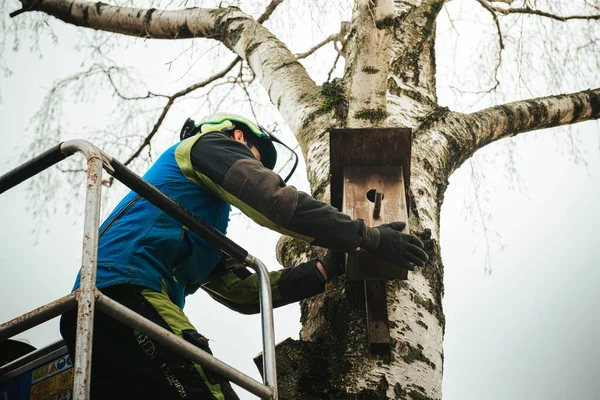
533	11
591	5
333	67
22	10
245	88
170	102
451	20
307	53
118	92
489	8
269	11
70	170
336	37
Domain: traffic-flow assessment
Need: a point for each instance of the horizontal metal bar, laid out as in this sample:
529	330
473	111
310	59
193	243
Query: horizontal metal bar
186	349
175	210
37	316
33	360
31	167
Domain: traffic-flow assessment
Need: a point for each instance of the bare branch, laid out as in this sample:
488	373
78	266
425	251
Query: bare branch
591	5
17	12
307	53
500	42
495	17
245	89
170	102
527	115
336	37
269	11
146	23
477	208
533	11
471	132
333	67
121	95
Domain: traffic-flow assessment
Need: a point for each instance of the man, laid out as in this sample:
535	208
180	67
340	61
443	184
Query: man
149	262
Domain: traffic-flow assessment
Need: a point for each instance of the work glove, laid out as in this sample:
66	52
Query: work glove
387	242
334	263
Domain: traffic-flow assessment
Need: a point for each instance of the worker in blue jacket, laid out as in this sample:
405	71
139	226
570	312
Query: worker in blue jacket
149	262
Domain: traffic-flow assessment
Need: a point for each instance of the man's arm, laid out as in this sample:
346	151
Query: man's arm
232	285
229	169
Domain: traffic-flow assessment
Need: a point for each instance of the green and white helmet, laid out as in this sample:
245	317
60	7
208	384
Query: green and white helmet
266	143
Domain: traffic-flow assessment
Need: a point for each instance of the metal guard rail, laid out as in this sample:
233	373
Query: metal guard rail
88	296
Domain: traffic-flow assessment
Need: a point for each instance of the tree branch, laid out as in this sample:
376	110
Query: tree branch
117	91
451	138
466	133
269	11
495	17
533	11
336	37
170	102
527	115
286	81
307	53
500	42
146	23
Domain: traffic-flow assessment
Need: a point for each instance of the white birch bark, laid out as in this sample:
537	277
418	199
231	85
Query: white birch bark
411	82
456	136
368	62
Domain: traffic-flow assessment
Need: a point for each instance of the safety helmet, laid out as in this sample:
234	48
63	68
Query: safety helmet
223	122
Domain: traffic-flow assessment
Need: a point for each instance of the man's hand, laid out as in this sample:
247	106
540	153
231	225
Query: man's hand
387	242
332	264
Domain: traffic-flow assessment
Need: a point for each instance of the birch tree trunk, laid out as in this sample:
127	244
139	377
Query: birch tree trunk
390	74
389	81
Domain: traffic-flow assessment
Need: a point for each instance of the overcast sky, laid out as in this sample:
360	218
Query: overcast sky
528	330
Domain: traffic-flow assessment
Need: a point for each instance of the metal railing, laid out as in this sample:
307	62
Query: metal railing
88	296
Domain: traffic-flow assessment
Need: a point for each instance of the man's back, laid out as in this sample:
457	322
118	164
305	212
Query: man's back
141	245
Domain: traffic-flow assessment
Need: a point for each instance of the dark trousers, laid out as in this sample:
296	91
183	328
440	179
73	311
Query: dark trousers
127	364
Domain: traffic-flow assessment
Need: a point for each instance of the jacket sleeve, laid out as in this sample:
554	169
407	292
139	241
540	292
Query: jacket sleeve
229	169
232	285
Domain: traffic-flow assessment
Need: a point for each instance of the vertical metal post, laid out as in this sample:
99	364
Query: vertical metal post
266	313
87	289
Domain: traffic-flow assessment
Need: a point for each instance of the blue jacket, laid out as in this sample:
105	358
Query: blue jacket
141	245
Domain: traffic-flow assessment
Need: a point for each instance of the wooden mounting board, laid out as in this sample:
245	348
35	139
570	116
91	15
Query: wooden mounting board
378	323
361	160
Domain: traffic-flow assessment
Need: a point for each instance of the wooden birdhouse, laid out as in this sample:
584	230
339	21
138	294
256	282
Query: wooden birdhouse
370	177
